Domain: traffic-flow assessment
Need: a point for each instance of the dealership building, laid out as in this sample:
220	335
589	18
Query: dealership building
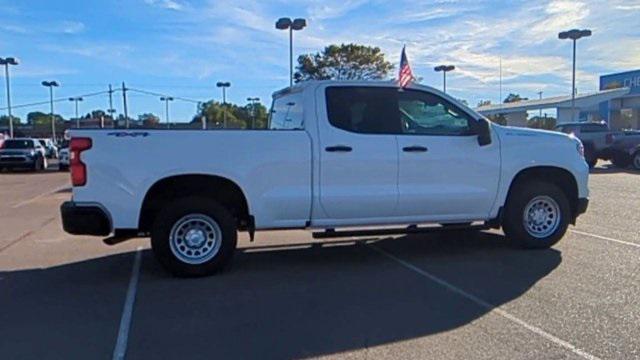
617	103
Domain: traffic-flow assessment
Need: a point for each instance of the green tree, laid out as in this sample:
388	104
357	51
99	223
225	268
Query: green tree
484	103
511	98
149	120
238	117
39	118
545	122
4	120
343	62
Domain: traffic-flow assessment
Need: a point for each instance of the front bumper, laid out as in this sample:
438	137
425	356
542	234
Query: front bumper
84	220
581	208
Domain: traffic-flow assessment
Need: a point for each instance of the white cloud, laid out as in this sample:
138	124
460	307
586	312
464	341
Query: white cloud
166	4
70	27
328	9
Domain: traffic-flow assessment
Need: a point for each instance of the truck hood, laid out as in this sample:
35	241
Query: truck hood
509	131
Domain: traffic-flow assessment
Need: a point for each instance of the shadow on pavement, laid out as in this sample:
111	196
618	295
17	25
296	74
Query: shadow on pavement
275	302
611	169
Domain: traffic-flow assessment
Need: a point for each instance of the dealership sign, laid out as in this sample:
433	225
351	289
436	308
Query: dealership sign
630	79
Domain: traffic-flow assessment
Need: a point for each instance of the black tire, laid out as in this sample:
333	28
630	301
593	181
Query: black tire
635	162
621	160
514	216
38	164
174	213
590	156
63	167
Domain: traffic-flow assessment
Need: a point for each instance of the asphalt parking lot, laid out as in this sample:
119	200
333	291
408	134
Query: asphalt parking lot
445	296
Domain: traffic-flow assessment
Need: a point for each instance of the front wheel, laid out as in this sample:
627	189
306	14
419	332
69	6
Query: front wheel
194	237
537	215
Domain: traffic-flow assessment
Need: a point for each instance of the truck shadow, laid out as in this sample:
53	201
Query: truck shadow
611	169
275	302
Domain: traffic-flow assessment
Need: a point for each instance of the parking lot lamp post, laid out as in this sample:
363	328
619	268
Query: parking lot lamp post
291	25
224	85
166	100
51	85
444	69
574	35
253	101
75	100
6	62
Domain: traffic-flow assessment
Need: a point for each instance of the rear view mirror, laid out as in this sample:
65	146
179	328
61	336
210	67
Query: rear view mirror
483	130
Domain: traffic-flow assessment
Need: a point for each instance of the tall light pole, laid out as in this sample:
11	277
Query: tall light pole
291	25
51	85
6	62
166	100
224	85
445	69
540	97
574	35
253	101
76	99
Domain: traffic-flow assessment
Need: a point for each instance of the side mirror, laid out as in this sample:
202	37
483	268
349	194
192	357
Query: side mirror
483	130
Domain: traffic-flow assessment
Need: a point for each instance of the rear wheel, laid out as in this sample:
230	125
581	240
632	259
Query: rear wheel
537	215
636	160
194	237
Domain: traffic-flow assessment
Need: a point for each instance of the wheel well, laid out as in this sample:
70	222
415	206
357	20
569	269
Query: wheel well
554	175
224	191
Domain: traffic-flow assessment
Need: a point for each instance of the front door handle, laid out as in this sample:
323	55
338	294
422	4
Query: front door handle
338	148
414	148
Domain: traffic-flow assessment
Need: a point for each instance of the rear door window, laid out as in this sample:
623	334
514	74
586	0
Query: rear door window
286	113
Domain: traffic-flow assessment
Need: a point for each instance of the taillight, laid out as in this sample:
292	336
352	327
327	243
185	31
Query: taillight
77	167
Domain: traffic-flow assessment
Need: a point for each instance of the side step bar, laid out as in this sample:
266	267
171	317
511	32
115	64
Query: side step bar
412	229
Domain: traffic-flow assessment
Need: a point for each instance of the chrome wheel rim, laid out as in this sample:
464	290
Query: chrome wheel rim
541	216
195	239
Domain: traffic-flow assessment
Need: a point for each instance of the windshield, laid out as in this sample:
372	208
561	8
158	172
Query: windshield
43	142
18	144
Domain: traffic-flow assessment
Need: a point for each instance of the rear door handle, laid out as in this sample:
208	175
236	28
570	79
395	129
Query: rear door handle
414	149
338	148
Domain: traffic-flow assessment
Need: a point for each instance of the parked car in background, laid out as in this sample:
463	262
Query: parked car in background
625	149
63	159
336	154
51	150
23	153
596	138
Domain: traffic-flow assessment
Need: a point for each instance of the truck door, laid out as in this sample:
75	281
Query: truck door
444	174
358	152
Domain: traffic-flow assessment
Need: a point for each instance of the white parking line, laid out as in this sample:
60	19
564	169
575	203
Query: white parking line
485	304
606	238
120	350
37	197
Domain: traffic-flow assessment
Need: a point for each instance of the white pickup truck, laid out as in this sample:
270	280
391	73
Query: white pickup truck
336	155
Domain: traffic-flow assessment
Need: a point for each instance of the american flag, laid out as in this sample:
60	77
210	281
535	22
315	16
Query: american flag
404	74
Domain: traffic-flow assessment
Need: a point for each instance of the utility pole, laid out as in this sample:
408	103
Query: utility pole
76	99
166	100
203	118
574	35
51	85
111	110
6	62
253	101
224	86
291	25
124	104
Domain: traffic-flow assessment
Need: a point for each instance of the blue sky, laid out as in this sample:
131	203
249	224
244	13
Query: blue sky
183	47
